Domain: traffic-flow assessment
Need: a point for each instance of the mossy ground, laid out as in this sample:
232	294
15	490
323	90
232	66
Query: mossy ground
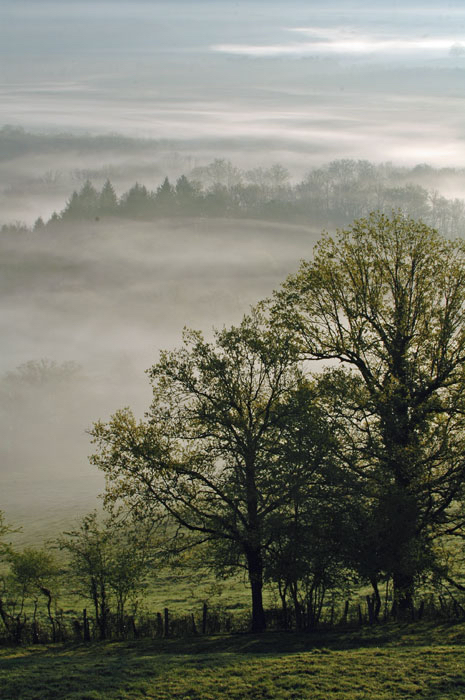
383	663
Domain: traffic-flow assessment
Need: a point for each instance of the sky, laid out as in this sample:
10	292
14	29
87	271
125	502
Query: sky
333	79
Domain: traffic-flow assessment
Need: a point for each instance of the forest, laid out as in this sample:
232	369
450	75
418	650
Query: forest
331	195
316	449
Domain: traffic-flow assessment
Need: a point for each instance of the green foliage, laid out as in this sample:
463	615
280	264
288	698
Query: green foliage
188	196
137	203
32	575
219	452
386	298
109	563
33	569
108	201
5	529
306	556
82	205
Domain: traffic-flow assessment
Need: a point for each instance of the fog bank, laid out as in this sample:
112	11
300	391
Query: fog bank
108	296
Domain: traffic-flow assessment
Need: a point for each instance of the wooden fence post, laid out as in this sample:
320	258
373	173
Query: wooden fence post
371	616
204	618
85	622
346	612
159	625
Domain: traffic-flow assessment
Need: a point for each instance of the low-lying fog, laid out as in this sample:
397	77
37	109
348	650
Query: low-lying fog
299	82
106	297
136	91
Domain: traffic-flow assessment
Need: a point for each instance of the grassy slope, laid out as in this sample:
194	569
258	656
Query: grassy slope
393	661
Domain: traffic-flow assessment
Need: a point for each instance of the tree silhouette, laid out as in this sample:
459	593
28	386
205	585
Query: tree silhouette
386	298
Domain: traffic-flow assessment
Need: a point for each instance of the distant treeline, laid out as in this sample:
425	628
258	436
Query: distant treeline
333	194
16	142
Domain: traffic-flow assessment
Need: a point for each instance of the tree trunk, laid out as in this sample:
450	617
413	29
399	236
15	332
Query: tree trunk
371	616
297	607
406	548
7	620
403	463
253	545
159	625
204	618
255	570
282	588
376	599
48	595
103	611
345	614
85	622
404	586
35	630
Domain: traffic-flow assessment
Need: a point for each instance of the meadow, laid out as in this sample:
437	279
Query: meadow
381	663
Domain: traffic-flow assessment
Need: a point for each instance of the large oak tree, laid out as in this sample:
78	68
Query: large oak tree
213	451
386	298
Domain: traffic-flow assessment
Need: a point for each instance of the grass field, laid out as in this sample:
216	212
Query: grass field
383	663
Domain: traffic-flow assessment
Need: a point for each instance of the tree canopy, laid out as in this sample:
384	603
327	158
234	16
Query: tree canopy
386	298
215	450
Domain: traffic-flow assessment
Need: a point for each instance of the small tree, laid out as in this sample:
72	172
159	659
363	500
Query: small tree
88	548
34	573
137	202
109	562
38	224
165	199
5	553
5	529
83	204
188	196
31	574
108	201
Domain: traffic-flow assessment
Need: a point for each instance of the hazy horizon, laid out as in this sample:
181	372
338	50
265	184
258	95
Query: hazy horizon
331	81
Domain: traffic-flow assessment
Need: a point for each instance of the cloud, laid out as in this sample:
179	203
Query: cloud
340	40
